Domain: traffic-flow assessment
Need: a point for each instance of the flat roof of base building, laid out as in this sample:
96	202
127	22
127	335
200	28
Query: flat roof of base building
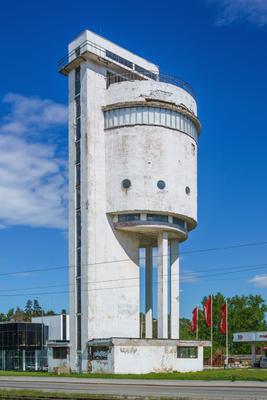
250	337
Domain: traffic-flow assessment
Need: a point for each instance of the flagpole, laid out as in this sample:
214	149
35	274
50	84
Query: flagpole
211	331
227	344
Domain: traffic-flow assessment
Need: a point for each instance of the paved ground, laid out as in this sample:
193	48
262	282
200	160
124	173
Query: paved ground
192	389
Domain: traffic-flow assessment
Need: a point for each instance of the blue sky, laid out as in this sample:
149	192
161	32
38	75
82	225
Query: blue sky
220	47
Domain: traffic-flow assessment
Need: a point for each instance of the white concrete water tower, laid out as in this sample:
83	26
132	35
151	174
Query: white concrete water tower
133	141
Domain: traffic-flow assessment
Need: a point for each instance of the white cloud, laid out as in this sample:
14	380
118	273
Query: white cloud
31	114
229	11
259	281
189	277
32	175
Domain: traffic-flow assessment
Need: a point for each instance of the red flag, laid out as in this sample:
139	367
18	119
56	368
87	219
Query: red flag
207	311
194	319
223	321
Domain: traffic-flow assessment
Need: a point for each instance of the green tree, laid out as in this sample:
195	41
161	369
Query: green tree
9	314
49	312
18	315
37	309
3	317
28	310
245	313
185	329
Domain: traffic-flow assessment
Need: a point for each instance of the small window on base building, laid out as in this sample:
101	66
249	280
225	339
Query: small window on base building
99	352
187	352
60	353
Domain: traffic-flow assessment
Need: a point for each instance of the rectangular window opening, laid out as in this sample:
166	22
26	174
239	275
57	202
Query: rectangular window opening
119	59
99	352
77	80
60	353
187	352
157	218
128	217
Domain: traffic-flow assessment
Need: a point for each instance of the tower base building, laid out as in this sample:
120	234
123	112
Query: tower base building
133	142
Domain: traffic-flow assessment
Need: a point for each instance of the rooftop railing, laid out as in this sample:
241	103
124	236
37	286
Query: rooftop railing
137	73
159	77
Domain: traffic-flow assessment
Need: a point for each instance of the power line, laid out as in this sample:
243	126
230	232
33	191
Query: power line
248	269
225	247
44	269
199	273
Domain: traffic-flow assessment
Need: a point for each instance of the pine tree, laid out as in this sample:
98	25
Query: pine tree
28	310
37	309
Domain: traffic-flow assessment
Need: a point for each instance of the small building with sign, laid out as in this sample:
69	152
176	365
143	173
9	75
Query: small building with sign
253	338
141	356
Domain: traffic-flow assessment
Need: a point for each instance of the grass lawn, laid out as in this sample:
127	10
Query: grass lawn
216	374
34	394
20	394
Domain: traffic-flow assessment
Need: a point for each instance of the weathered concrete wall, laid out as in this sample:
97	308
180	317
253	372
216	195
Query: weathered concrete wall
143	154
146	154
110	300
145	359
141	90
113	302
72	258
140	356
54	364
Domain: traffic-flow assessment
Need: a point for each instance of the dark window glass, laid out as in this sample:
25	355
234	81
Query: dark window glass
99	352
79	336
157	217
119	59
78	261
128	217
187	352
126	183
21	335
60	352
78	129
187	190
78	286
78	174
78	106
78	197
78	152
145	72
64	327
161	184
78	227
177	221
77	80
77	51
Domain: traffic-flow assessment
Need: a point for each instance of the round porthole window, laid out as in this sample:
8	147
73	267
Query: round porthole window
126	183
161	185
187	190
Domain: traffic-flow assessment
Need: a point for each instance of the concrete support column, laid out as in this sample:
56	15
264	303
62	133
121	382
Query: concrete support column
175	292
23	360
163	285
149	292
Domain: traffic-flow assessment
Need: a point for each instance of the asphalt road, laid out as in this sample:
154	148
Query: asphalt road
191	389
